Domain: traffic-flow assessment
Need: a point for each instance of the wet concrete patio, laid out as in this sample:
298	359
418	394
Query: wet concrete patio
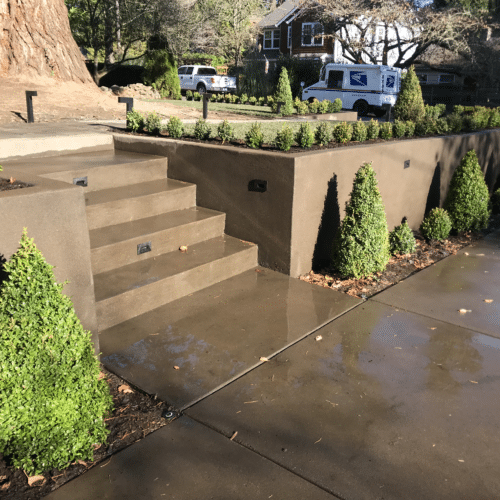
394	398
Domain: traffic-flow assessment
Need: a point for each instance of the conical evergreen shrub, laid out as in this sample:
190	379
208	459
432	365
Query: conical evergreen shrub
410	104
468	197
362	242
401	239
283	94
52	403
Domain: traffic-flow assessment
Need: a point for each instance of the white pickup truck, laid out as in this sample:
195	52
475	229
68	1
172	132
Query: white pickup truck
205	79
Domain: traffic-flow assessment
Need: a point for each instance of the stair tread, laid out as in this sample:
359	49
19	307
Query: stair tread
117	233
117	281
133	191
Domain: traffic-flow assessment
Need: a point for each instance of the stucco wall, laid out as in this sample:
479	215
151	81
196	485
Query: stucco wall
54	213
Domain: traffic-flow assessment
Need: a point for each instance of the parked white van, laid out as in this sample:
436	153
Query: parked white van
360	87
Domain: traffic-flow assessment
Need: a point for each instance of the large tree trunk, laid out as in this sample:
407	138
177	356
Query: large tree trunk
36	40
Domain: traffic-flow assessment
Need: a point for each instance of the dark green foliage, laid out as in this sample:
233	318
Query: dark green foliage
175	128
372	130
455	122
153	123
385	130
135	121
243	98
305	136
269	100
494	119
324	106
202	129
437	225
189	95
399	128
213	97
441	126
425	126
362	242
468	196
313	106
225	131
335	106
262	101
342	132
160	70
436	111
410	104
196	96
323	134
495	202
284	138
359	132
410	128
252	100
478	119
402	240
302	108
283	93
52	403
254	138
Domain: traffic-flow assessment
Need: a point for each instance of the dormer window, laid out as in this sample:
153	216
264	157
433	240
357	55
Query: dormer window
312	35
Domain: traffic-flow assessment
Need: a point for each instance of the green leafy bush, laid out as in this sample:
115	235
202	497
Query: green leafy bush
436	111
372	130
478	119
385	130
313	106
244	98
52	403
262	101
220	98
324	106
468	196
254	138
270	100
237	99
160	71
153	123
196	96
441	126
399	128
362	242
225	131
323	134
228	98
437	225
284	138
401	240
410	128
410	104
425	126
335	106
135	121
494	119
302	108
342	132
202	129
189	95
283	93
175	128
305	136
252	101
359	132
495	201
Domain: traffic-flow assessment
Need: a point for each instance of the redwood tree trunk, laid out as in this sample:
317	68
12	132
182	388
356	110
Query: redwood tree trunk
36	40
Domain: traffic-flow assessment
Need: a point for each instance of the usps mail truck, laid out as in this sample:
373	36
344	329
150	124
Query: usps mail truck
361	87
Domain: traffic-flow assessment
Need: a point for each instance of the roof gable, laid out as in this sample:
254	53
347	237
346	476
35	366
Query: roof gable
280	14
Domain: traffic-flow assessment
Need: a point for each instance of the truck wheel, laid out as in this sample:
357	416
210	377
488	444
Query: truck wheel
311	100
201	89
379	113
361	107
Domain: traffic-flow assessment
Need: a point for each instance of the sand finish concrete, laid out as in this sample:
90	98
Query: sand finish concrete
387	405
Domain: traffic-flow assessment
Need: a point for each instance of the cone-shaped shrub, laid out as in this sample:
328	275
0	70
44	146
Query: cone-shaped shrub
410	104
401	239
437	225
52	403
283	94
305	136
362	242
468	197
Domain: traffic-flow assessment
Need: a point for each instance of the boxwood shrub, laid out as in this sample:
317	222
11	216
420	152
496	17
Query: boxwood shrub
437	225
402	240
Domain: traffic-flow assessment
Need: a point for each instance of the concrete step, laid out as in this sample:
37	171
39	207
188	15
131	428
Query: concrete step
112	206
129	291
107	169
116	246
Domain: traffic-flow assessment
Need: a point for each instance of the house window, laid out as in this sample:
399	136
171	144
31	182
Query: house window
422	78
289	37
311	34
271	39
446	78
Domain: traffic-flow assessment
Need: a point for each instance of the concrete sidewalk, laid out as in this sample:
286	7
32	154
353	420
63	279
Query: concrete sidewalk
396	398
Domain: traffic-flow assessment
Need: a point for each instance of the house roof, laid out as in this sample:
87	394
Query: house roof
280	14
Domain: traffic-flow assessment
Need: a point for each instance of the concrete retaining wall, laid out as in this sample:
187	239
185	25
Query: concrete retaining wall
295	220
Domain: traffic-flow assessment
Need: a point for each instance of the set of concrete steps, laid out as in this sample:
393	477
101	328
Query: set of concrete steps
138	219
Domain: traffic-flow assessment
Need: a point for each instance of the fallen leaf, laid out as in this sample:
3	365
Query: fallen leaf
318	440
480	255
463	311
488	301
263	359
398	348
101	376
12	180
234	435
432	327
466	253
125	389
183	248
248	402
5	486
34	479
473	382
319	337
461	460
176	367
81	462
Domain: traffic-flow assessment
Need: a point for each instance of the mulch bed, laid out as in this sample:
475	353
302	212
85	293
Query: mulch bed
135	416
9	184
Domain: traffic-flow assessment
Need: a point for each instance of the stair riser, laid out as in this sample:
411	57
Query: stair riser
117	212
124	253
111	176
132	303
